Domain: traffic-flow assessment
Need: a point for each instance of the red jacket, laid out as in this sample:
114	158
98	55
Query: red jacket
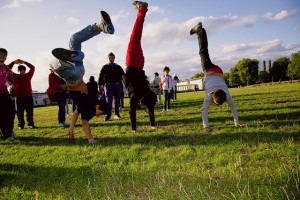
22	83
55	82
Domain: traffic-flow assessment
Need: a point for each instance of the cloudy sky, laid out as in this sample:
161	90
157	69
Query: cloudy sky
237	29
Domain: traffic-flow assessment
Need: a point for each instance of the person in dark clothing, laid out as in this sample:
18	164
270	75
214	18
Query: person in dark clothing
59	87
23	93
7	110
135	80
68	64
110	78
93	89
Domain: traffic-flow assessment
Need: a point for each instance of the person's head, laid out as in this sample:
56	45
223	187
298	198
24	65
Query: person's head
111	57
166	70
3	55
22	69
92	79
156	74
219	97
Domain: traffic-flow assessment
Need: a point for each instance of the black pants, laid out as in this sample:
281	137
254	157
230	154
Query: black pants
25	104
61	98
7	115
139	92
203	51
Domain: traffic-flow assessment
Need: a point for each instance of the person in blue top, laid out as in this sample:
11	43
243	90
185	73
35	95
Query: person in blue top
215	86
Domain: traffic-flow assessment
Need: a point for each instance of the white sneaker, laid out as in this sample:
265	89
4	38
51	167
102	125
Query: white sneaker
117	117
105	23
64	124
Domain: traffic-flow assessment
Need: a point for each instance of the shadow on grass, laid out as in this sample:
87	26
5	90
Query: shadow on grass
166	139
50	182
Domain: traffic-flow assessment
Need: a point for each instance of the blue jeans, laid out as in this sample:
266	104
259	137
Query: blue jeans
73	72
167	100
112	93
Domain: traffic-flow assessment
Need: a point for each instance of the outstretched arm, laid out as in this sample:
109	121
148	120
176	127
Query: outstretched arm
206	104
233	109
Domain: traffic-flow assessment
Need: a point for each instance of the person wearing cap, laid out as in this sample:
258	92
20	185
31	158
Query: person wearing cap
110	80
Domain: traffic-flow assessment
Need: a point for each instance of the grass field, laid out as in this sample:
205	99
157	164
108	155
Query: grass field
178	161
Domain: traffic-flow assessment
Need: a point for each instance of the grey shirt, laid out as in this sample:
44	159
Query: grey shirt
213	83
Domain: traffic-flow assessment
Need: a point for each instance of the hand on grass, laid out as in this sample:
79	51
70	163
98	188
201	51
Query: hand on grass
239	125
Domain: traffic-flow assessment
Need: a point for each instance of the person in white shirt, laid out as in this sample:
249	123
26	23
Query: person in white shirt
168	87
155	86
215	86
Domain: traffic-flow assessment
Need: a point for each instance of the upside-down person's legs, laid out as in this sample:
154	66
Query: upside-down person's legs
72	73
134	56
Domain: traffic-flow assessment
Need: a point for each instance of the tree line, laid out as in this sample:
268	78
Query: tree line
246	72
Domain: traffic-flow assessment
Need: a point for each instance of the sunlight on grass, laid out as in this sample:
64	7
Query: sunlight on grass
179	160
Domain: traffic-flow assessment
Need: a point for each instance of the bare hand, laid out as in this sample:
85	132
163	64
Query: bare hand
19	61
239	125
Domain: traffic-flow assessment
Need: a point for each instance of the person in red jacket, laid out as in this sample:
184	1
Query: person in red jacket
23	92
7	110
59	88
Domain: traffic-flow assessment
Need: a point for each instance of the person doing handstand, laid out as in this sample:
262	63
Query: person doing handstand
215	86
135	80
68	64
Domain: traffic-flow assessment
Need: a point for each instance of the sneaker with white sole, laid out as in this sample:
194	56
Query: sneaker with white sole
117	117
196	28
105	23
64	124
64	54
140	4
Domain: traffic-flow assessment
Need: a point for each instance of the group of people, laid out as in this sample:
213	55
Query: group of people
18	98
68	66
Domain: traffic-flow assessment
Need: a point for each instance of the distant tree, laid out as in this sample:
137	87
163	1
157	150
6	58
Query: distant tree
293	70
247	70
198	75
279	69
263	77
226	78
234	79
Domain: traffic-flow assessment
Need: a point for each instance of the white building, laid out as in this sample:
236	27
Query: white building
190	85
40	99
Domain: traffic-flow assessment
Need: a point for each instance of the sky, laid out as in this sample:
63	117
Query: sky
236	29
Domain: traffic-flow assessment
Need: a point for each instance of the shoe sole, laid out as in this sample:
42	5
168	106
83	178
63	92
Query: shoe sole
106	18
63	54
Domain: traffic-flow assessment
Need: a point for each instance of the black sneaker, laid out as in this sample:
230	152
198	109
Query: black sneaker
21	127
105	23
107	118
32	127
140	4
64	54
196	28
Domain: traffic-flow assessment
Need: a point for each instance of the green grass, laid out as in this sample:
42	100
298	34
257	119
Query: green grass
178	161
